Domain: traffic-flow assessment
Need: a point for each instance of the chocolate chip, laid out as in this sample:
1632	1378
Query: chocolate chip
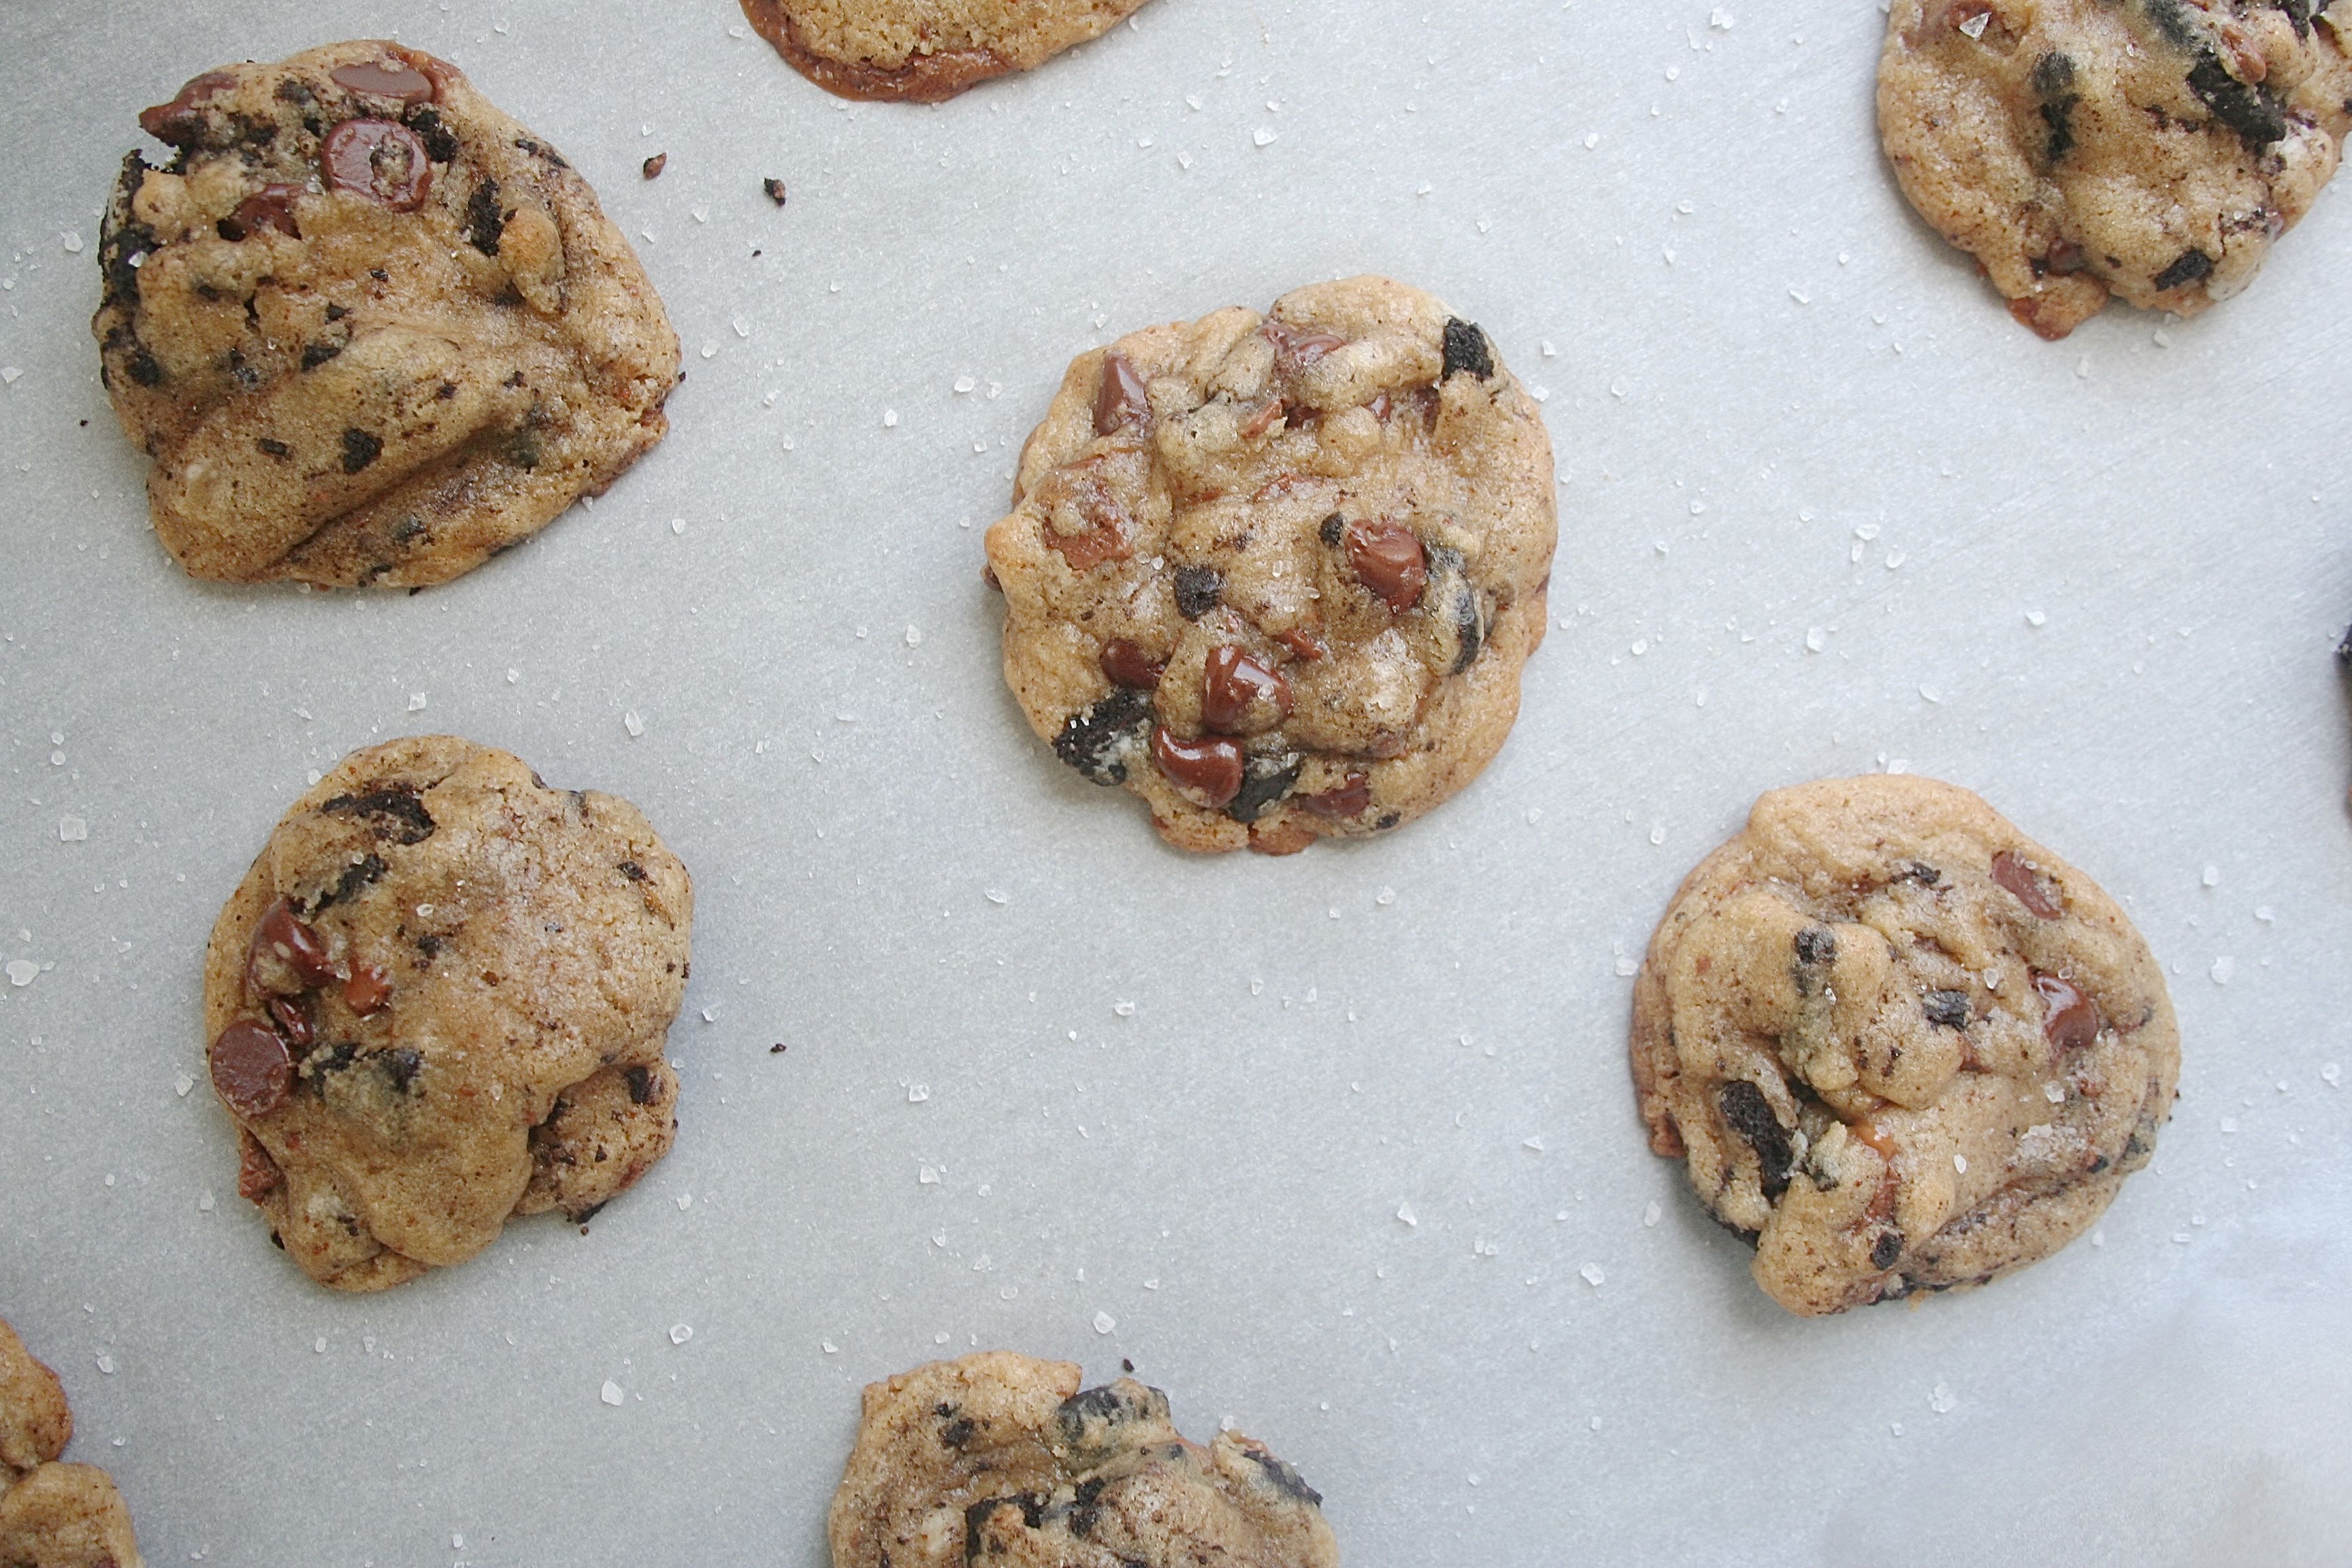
1197	588
360	449
656	165
1211	766
1950	1009
385	78
775	189
641	1085
285	936
381	160
368	992
2058	115
1239	691
272	448
178	121
315	354
2252	112
1128	664
1747	1112
633	871
1121	400
293	1016
143	366
271	207
2073	1021
394	812
1264	780
363	873
1816	944
1330	531
1465	349
2053	73
1101	739
252	1069
957	1431
2191	266
2018	877
1344	801
1886	1250
1388	560
484	219
1452	601
439	144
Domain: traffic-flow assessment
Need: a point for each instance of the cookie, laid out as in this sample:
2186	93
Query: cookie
996	1457
52	1515
2152	149
440	998
369	330
1277	574
1903	1047
920	51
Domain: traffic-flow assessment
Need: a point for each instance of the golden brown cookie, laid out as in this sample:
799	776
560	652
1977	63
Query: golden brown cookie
998	1458
2150	148
440	998
1901	1045
369	330
52	1515
920	51
1278	573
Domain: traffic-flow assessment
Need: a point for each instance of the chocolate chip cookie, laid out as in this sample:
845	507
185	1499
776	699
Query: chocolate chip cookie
369	330
2153	149
996	1457
1278	573
439	998
1903	1047
52	1515
920	51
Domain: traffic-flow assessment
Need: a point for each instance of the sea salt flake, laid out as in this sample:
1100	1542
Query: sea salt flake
181	1084
612	1394
1405	1213
1651	1212
1592	1275
1961	1163
1263	136
2333	1075
1943	1401
72	830
1628	965
1535	1143
416	702
1719	19
928	1176
1975	25
889	419
917	1093
1816	639
633	723
23	971
106	1364
2223	968
1105	1323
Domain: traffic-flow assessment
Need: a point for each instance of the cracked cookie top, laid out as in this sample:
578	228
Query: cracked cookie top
997	1458
1901	1045
369	330
920	51
2150	148
439	998
1278	573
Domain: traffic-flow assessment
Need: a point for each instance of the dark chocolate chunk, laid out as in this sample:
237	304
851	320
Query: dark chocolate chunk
365	871
1100	739
1465	349
2058	114
400	1068
641	1085
2191	266
360	449
439	144
1747	1112
319	353
1213	765
1197	588
1332	528
272	448
385	78
2018	877
394	812
1951	1009
1264	780
1886	1250
2053	73
484	220
1816	944
180	123
1388	559
1121	399
2252	112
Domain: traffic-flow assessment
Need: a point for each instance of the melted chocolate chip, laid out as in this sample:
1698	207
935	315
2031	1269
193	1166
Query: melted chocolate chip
1121	400
381	160
288	938
271	207
368	992
1344	801
1101	739
252	1069
1212	767
485	221
2018	877
178	123
1128	664
386	79
1747	1112
1949	1009
360	449
1465	349
2072	1021
1236	687
1388	560
2191	266
1197	588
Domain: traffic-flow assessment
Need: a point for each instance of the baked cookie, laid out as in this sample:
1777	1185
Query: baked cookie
1903	1047
369	330
920	51
1277	574
439	998
996	1457
52	1515
2150	148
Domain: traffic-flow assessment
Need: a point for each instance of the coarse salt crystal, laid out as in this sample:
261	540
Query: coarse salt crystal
633	723
23	971
1975	25
1405	1213
1263	136
72	830
1105	1323
612	1394
1592	1275
680	1333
